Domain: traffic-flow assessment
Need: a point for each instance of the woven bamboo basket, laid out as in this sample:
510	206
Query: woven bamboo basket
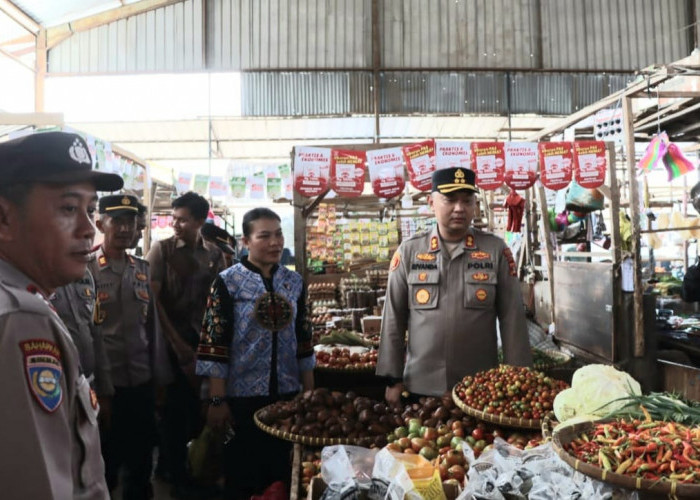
520	423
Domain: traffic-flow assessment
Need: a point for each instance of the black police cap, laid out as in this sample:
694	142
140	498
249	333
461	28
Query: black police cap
115	205
52	158
217	235
449	180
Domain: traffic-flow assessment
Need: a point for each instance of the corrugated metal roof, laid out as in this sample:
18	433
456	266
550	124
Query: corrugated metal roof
245	34
459	33
53	12
614	34
165	39
422	92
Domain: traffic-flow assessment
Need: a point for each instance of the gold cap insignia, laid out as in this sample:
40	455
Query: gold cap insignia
126	201
459	177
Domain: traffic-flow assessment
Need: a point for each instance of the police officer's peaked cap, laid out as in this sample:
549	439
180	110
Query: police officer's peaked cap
115	205
450	180
217	235
695	190
141	208
52	158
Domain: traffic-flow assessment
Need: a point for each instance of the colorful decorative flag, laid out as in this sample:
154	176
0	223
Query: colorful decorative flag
555	164
257	185
521	164
348	172
286	175
488	162
676	163
452	154
590	163
386	171
217	186
274	188
654	153
201	183
237	185
311	170
420	162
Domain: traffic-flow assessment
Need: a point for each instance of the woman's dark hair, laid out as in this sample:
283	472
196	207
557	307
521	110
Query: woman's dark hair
255	214
198	205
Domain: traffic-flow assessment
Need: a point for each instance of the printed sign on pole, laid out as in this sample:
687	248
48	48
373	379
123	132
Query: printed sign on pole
386	171
348	172
311	170
555	164
488	162
420	162
521	164
590	163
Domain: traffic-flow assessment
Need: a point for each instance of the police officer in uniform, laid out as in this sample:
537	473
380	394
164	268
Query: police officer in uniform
447	287
48	414
76	304
134	345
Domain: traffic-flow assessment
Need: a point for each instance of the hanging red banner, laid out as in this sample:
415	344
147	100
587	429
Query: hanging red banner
420	163
488	162
521	164
386	171
555	164
590	163
348	172
311	170
450	154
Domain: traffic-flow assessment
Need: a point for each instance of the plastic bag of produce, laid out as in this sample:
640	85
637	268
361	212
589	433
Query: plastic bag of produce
593	388
398	475
347	470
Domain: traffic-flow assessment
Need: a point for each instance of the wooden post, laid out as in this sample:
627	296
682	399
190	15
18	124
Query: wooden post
547	243
638	323
616	242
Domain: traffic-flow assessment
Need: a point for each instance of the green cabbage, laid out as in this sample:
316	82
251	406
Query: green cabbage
592	387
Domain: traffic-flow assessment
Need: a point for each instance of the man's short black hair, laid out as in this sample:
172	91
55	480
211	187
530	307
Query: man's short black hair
255	214
197	204
16	193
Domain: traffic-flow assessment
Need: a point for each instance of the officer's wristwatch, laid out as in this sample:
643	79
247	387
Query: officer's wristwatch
216	401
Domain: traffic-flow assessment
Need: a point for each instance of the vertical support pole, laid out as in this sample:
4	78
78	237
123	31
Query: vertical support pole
40	74
376	62
544	218
638	326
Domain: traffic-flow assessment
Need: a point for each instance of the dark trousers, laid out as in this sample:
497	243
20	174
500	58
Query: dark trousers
181	422
254	459
129	440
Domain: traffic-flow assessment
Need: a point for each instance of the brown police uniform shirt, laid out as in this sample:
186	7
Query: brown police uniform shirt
131	330
449	305
185	275
50	445
75	304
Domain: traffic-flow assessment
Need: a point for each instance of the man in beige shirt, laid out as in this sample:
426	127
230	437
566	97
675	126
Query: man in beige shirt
447	287
48	416
183	268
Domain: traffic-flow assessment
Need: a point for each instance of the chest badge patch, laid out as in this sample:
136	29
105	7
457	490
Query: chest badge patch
141	276
434	243
102	296
481	295
426	257
395	261
480	276
42	364
273	312
102	261
422	296
480	255
422	276
143	294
